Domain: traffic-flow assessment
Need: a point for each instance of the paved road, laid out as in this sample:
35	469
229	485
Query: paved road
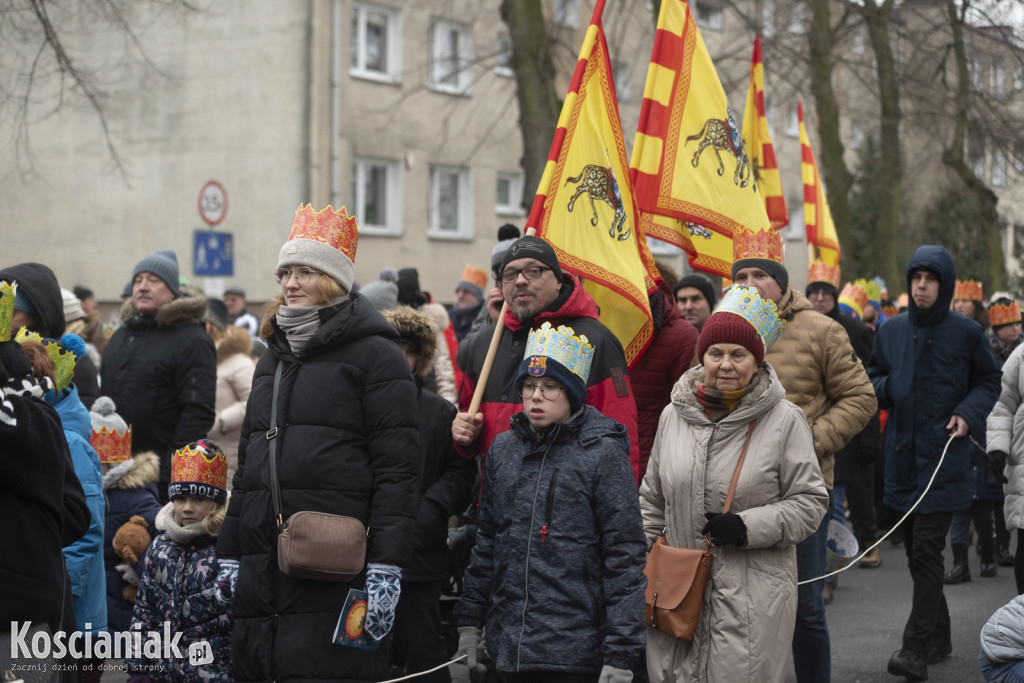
871	606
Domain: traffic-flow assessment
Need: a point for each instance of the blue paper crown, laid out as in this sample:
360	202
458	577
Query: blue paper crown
562	345
761	313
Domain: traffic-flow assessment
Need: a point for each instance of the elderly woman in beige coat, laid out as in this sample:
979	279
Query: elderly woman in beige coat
746	624
235	369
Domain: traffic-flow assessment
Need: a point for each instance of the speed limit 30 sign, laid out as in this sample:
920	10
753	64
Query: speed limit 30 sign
213	202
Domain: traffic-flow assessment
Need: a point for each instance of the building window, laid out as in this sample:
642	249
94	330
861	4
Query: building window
1018	157
999	167
377	193
451	52
856	136
767	19
975	152
567	13
1018	78
997	79
622	73
508	194
858	41
451	203
503	55
709	15
792	122
659	248
376	50
795	21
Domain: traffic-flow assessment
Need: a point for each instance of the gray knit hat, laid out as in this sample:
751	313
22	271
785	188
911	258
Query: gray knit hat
163	264
103	414
72	306
507	235
382	293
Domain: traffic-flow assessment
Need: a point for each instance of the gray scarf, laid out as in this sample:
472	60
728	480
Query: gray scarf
183	535
299	323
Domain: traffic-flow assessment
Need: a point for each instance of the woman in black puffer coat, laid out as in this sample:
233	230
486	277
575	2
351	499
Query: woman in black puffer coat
348	445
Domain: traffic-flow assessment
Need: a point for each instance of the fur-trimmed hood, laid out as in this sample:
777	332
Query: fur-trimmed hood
142	469
416	327
187	309
237	341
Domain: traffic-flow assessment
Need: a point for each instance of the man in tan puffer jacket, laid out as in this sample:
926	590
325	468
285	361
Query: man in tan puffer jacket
820	373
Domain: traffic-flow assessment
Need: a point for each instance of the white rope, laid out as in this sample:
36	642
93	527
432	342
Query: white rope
424	673
896	526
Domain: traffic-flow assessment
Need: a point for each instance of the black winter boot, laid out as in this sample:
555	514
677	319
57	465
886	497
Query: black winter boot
961	571
987	551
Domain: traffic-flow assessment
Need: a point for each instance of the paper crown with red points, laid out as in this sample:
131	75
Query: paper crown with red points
1004	314
325	241
823	272
852	300
8	290
967	289
111	436
762	244
199	469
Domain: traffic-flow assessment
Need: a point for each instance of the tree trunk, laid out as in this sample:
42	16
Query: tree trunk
836	176
890	190
953	157
539	103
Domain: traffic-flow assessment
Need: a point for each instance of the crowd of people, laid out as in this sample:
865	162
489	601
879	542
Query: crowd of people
279	490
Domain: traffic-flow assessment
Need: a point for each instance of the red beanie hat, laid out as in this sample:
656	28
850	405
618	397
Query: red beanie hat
724	327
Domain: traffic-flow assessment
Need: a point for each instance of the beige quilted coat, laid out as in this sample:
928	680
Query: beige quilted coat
746	626
823	376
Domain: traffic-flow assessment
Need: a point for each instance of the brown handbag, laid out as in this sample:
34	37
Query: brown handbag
313	545
676	577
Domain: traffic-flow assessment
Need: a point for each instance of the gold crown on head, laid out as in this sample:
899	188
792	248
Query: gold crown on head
561	344
823	272
1004	314
200	465
111	445
747	303
8	291
871	287
63	359
967	289
334	228
763	244
854	298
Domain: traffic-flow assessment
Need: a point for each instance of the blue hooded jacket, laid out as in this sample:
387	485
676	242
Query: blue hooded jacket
84	557
926	366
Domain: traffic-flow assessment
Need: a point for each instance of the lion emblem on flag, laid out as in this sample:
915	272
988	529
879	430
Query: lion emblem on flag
721	135
598	182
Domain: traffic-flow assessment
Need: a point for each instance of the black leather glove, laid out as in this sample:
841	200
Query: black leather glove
725	529
998	465
14	364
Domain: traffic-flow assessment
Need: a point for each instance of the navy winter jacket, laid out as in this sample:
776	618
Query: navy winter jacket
556	575
926	366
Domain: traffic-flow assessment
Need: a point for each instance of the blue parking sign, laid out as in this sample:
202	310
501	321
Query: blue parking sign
213	254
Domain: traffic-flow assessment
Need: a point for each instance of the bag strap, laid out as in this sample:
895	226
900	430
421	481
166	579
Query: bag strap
739	466
275	487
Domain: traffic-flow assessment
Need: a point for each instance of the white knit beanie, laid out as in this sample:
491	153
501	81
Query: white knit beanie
319	256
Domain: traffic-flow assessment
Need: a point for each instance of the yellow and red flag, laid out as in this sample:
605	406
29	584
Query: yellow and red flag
822	240
584	205
694	183
757	141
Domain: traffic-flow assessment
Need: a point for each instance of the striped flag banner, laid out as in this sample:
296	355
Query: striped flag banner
694	183
822	240
584	205
757	141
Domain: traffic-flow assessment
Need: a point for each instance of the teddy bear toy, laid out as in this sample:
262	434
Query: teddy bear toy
130	543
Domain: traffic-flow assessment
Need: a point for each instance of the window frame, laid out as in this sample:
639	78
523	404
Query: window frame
392	200
464	73
516	182
503	55
393	73
715	19
464	228
566	13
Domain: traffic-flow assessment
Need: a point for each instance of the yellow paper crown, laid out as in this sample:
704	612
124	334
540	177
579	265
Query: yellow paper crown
762	314
200	465
8	290
111	445
853	299
823	272
63	359
967	289
561	344
763	244
1004	314
475	276
871	288
334	228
